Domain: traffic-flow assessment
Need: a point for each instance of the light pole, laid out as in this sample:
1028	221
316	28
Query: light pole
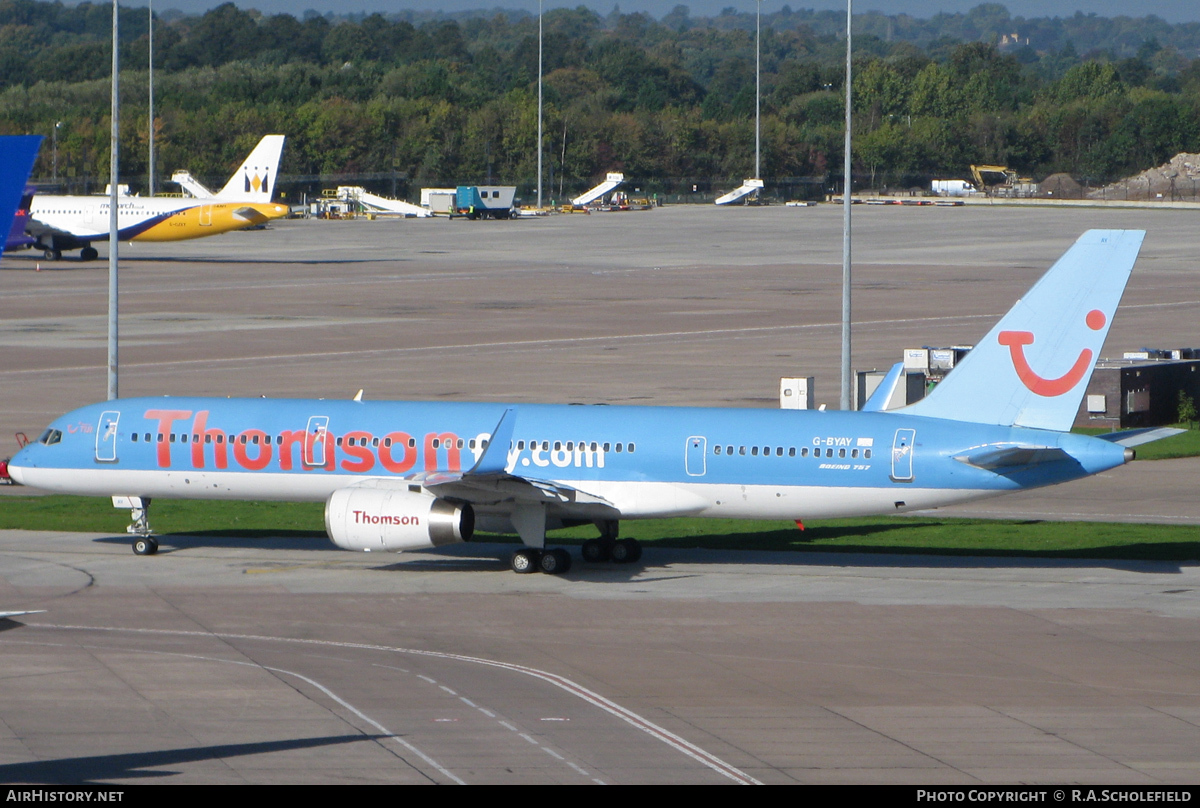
112	216
846	382
539	194
758	91
151	97
57	126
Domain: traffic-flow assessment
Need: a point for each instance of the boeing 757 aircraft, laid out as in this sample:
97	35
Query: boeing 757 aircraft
60	223
410	475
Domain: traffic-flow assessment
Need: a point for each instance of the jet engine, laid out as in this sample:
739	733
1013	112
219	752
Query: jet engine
388	517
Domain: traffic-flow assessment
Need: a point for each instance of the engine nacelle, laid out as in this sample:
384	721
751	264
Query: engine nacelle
387	517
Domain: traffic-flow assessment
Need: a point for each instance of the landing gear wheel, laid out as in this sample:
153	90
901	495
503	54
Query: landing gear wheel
145	545
626	551
525	560
88	254
556	561
52	254
597	550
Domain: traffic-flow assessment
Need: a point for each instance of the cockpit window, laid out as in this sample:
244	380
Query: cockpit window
50	437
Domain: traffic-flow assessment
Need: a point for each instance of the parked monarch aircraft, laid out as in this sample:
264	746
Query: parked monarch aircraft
406	475
59	223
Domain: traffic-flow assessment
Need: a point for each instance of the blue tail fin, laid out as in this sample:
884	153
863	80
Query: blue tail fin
1032	369
17	153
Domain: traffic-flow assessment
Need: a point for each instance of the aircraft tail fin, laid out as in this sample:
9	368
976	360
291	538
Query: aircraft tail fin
254	181
1033	367
17	153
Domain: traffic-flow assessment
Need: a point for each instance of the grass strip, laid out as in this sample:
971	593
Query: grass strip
880	534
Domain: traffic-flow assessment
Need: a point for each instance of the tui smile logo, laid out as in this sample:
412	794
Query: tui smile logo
1016	342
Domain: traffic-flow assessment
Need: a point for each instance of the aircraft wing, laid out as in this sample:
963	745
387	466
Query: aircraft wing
490	488
489	480
37	228
6	615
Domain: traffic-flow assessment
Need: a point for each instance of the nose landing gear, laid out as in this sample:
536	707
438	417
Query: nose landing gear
144	542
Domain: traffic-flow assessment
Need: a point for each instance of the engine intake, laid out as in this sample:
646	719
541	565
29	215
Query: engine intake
385	517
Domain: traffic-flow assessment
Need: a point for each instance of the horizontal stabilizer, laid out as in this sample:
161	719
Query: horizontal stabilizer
1136	437
993	457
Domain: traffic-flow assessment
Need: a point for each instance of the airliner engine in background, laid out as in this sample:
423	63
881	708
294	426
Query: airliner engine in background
59	223
405	475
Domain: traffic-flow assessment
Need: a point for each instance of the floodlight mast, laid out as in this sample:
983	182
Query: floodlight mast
846	397
539	193
758	92
151	69
112	214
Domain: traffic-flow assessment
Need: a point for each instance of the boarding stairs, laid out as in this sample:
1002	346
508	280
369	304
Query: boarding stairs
380	204
748	187
610	182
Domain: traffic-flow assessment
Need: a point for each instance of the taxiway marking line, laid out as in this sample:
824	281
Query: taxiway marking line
662	734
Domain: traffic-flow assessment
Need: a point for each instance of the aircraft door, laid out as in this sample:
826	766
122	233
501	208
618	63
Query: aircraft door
902	455
206	215
314	441
695	462
106	437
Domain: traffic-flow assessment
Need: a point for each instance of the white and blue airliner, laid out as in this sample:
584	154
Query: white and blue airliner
398	475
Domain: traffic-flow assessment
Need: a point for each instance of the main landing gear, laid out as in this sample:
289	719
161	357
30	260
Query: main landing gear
558	561
609	548
144	542
533	559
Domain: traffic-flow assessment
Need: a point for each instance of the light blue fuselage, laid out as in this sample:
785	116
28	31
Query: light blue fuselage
641	461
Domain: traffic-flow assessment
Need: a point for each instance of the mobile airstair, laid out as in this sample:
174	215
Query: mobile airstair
610	182
740	194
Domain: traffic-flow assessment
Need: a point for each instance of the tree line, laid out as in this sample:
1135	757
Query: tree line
443	99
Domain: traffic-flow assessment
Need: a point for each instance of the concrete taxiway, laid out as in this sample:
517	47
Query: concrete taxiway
226	660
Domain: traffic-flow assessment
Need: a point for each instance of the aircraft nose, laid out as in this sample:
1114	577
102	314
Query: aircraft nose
22	460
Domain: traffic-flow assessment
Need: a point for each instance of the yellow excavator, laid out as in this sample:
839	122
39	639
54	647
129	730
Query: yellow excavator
990	178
